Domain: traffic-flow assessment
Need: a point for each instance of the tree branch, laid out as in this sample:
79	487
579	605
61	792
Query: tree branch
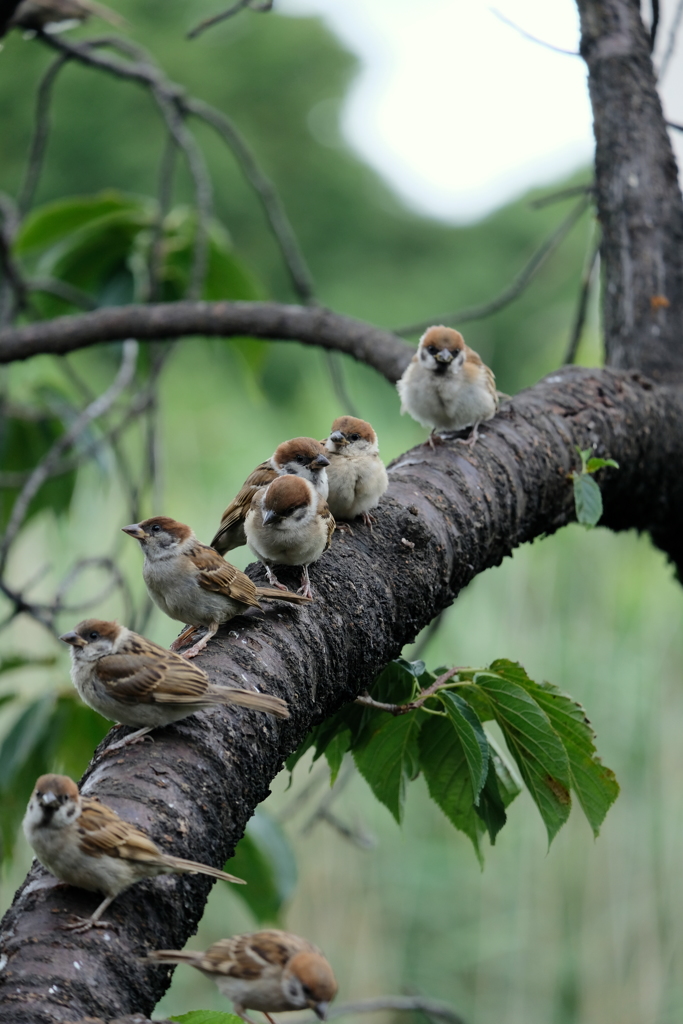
374	346
196	786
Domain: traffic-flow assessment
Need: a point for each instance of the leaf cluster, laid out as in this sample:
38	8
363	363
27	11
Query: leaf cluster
442	737
587	496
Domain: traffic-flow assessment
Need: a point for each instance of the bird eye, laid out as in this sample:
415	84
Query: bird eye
94	635
354	437
156	528
432	350
300	459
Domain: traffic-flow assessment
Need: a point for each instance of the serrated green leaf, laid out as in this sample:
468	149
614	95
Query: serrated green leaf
446	772
264	859
587	499
472	736
395	683
595	785
535	747
334	752
388	759
595	464
498	793
208	1017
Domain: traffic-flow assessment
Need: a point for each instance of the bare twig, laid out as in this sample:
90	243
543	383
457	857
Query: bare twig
224	15
42	471
402	709
410	1004
41	131
654	25
13	292
563	193
165	194
582	305
519	284
336	371
671	44
676	127
323	812
533	39
62	290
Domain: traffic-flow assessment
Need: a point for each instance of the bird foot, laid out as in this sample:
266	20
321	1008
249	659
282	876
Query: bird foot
184	638
306	589
368	519
343	528
201	644
273	580
139	736
79	925
470	441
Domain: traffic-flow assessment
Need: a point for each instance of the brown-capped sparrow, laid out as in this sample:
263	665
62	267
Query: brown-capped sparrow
84	843
356	474
271	971
192	583
302	456
289	524
57	15
128	679
446	386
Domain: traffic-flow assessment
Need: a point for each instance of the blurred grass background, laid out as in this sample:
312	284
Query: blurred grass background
586	933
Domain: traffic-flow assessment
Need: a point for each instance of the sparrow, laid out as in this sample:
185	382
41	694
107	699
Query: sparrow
302	456
57	15
192	583
288	523
270	971
84	843
129	679
446	386
356	474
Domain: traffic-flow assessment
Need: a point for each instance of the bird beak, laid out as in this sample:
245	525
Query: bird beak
338	438
444	356
319	462
269	516
49	800
134	530
320	1010
73	639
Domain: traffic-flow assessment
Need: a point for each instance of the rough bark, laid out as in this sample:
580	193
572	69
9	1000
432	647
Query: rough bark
639	200
311	325
196	786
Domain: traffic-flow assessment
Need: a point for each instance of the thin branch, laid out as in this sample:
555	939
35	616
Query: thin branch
224	15
409	1004
165	198
563	193
311	325
676	127
402	709
13	294
517	287
671	44
62	290
42	471
582	305
41	132
336	372
655	24
533	39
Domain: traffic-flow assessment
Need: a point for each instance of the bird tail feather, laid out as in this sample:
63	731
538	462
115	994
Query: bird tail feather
192	867
250	699
174	956
272	594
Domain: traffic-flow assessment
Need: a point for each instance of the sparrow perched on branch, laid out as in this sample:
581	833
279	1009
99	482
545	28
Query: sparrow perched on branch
270	971
356	474
288	523
84	843
192	583
446	386
302	456
129	679
56	15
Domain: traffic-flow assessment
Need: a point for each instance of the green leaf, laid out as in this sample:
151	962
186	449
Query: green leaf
264	859
595	785
499	791
208	1017
535	746
388	759
396	683
51	223
23	738
595	464
23	442
294	758
334	752
472	736
587	499
447	774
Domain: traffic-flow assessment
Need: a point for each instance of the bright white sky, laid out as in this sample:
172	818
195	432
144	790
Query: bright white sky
456	109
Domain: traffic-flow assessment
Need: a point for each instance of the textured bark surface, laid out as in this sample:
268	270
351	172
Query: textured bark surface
196	786
311	325
639	200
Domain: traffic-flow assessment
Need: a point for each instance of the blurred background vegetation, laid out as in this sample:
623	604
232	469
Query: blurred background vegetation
585	933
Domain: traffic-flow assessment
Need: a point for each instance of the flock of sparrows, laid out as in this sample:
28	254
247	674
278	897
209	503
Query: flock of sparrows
286	512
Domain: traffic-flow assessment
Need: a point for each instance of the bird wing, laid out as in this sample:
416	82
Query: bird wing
491	381
218	575
328	519
239	506
246	956
163	678
102	832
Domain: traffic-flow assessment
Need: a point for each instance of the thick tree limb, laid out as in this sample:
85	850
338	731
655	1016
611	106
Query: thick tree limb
311	325
639	201
196	786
